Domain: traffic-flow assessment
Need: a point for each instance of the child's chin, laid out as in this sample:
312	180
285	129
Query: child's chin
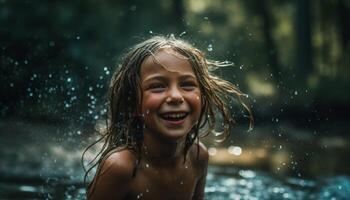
177	135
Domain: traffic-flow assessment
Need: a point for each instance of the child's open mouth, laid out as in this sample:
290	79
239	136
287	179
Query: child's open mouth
174	118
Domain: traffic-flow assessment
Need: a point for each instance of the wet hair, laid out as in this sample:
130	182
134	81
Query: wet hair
124	126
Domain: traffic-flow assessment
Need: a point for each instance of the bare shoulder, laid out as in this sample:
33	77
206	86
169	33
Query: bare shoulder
200	154
200	157
121	161
113	176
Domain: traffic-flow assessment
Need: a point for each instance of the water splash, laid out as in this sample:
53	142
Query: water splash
210	47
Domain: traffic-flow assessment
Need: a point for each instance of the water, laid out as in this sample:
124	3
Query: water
222	183
43	162
232	183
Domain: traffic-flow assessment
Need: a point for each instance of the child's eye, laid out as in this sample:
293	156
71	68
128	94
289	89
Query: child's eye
188	85
157	87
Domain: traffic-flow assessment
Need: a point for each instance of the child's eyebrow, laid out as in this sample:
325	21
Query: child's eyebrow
163	78
187	76
155	77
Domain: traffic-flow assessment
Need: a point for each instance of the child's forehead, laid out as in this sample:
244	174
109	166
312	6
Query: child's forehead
167	49
167	59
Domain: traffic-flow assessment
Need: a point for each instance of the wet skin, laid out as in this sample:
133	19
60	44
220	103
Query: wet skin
171	107
169	86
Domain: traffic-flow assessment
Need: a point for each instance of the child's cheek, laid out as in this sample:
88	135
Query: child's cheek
151	103
195	100
195	97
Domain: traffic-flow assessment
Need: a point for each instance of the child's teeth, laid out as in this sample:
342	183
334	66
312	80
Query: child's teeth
175	115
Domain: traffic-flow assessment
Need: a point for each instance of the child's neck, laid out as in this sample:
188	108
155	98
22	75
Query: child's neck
162	153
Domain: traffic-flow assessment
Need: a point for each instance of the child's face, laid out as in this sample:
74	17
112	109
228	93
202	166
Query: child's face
171	102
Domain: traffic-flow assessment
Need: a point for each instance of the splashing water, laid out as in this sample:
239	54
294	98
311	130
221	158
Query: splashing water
55	171
210	47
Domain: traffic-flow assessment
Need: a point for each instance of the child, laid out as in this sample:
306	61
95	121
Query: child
160	100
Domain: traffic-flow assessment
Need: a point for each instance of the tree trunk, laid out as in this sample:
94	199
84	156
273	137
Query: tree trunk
304	65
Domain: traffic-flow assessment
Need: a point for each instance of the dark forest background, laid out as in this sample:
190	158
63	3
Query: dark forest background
291	57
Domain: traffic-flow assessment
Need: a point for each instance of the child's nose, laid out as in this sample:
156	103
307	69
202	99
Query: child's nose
174	96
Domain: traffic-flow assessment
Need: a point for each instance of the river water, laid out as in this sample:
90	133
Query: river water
43	162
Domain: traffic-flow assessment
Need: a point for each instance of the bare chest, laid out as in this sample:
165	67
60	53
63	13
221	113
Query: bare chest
176	183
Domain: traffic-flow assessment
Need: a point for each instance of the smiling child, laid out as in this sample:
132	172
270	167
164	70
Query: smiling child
161	101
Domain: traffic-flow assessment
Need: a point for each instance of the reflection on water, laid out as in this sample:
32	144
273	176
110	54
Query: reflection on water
222	183
231	183
43	162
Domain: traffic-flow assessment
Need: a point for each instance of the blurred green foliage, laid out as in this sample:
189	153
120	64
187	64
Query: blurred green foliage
57	56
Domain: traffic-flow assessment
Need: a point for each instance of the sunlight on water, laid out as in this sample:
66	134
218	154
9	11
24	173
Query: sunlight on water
55	171
223	183
232	183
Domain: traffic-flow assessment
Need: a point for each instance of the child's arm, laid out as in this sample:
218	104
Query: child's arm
203	164
199	192
113	178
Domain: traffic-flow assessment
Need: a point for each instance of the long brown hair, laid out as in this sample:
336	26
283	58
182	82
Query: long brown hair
124	127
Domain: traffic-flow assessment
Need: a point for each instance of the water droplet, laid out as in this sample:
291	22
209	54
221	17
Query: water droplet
78	37
235	150
52	44
295	92
133	8
151	32
69	79
29	189
147	165
183	33
139	195
210	47
212	151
